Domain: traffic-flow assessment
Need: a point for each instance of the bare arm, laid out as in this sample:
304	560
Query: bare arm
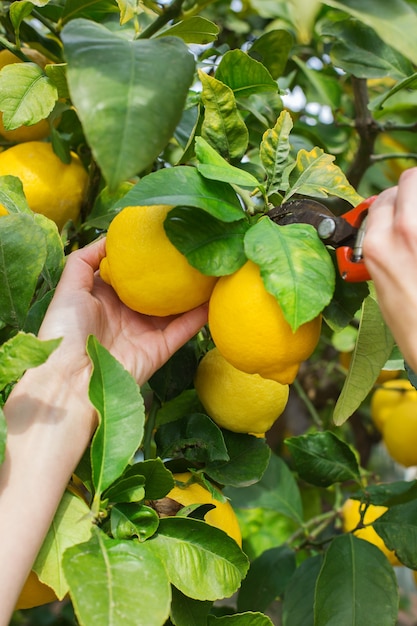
50	419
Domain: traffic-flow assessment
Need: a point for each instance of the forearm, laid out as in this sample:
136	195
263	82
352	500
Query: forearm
50	422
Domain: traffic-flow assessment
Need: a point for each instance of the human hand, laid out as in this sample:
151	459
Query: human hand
390	255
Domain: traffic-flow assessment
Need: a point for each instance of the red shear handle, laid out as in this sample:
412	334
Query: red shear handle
350	260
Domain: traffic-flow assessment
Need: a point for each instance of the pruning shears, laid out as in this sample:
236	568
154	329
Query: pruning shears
345	233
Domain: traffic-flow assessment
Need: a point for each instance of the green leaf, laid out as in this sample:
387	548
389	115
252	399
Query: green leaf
390	494
346	593
275	149
57	74
117	398
107	584
295	267
272	49
129	520
188	547
22	257
398	529
186	403
26	95
267	578
196	437
184	186
406	83
195	29
176	374
19	11
72	524
316	175
126	489
22	352
323	459
240	619
298	603
346	301
277	491
12	196
55	255
396	24
158	479
373	348
188	612
223	126
248	460
212	246
321	87
122	86
244	74
212	165
3	435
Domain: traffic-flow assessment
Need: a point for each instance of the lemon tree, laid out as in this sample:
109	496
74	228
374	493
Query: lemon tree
173	131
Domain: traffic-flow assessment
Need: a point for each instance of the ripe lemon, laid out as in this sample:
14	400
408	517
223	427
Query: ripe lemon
3	210
146	270
400	433
386	398
34	593
241	402
351	517
51	187
37	131
222	516
248	327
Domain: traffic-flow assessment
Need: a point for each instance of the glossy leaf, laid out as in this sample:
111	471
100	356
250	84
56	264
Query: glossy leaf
323	459
392	493
277	490
267	578
295	267
234	472
55	257
158	479
398	529
316	175
212	165
188	547
244	74
275	149
106	580
121	85
223	126
12	196
19	11
240	619
129	520
213	247
272	49
22	352
22	257
195	29
26	94
185	186
188	612
298	603
126	489
373	348
117	398
184	404
72	524
348	594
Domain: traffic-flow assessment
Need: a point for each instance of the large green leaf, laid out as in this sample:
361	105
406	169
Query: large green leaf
55	256
295	267
120	89
185	186
323	459
356	586
398	529
117	398
373	348
195	29
115	582
298	604
249	618
188	612
396	24
272	48
22	352
190	547
244	75
71	525
275	149
223	126
22	256
12	196
212	165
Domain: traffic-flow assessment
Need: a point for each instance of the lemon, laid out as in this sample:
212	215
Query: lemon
351	517
34	593
146	270
222	516
386	398
241	402
51	187
399	433
249	328
37	131
3	210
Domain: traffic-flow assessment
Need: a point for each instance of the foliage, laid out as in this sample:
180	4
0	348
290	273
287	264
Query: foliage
222	110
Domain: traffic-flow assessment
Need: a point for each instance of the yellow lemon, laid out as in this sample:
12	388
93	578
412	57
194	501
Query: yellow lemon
37	131
3	210
351	517
34	593
222	516
146	270
399	433
387	397
241	402
249	328
51	187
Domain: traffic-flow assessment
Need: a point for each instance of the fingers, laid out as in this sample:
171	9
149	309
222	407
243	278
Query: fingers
184	327
81	266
